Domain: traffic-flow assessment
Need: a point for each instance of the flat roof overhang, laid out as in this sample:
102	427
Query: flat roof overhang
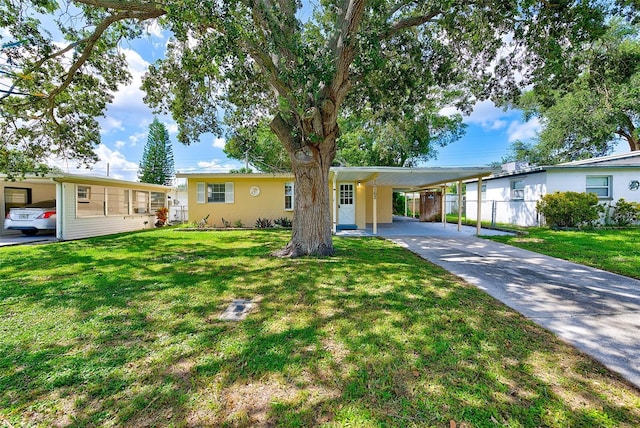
409	179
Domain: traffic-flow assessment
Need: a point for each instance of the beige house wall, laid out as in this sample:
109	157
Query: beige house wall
384	204
268	203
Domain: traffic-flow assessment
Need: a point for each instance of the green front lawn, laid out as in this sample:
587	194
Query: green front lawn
613	250
124	330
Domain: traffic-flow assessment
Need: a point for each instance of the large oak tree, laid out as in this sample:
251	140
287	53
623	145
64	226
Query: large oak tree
258	59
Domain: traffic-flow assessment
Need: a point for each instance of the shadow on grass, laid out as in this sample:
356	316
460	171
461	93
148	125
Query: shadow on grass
125	330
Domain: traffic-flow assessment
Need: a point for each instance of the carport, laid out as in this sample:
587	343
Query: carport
405	180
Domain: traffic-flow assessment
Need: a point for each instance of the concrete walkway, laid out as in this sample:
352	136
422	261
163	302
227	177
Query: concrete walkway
595	311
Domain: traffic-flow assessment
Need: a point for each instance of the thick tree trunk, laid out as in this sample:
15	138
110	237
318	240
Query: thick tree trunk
311	234
311	161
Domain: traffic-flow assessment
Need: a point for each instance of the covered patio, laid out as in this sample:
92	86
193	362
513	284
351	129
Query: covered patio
406	180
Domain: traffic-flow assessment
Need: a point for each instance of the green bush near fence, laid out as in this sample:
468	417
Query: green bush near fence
570	209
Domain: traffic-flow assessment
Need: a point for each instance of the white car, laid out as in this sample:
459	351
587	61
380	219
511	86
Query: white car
32	218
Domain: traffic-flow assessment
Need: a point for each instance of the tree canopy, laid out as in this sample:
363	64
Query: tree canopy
258	59
599	108
157	165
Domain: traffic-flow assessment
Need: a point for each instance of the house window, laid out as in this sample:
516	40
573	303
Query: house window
84	193
289	198
220	192
117	201
157	201
215	192
140	202
517	190
600	185
90	201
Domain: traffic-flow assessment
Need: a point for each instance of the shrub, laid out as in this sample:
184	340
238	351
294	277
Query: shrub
162	214
263	223
283	222
625	213
570	209
237	223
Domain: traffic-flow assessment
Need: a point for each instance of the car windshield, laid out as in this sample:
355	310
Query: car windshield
42	204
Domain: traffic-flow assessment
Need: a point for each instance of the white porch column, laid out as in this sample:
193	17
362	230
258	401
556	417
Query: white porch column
375	208
413	196
406	204
459	205
479	213
443	202
335	204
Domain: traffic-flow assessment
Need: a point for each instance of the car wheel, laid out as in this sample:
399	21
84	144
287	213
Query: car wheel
29	232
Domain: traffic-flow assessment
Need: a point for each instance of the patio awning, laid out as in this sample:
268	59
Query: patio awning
409	179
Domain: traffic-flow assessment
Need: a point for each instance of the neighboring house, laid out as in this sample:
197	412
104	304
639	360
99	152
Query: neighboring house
511	196
358	195
86	205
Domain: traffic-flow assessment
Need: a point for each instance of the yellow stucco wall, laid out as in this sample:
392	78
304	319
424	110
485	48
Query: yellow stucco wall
270	202
385	205
246	208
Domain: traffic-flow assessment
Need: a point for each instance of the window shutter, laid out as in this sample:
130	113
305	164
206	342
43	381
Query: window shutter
228	192
200	193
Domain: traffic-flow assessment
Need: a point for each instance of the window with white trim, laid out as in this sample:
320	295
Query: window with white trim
201	193
517	190
600	185
218	192
157	201
289	197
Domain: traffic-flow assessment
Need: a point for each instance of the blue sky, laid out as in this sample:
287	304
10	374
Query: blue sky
489	133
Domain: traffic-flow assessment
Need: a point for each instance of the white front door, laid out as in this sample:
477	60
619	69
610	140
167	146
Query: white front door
346	204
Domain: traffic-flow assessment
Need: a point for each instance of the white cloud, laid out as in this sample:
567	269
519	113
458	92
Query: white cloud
172	128
524	130
120	144
130	97
109	124
135	138
109	160
219	143
215	165
485	114
153	28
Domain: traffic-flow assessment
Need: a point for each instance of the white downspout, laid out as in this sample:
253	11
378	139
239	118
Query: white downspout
335	200
60	211
444	206
375	208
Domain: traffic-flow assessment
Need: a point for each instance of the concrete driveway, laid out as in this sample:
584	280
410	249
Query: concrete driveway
20	239
596	311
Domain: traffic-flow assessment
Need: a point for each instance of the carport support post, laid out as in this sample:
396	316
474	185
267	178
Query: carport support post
459	205
375	208
406	204
413	201
443	202
479	209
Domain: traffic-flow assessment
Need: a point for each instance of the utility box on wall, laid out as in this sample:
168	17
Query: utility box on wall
430	206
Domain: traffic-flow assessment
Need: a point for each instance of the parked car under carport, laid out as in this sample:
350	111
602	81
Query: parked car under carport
32	218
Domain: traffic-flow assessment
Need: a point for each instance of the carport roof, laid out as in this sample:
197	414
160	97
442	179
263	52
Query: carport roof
401	179
409	179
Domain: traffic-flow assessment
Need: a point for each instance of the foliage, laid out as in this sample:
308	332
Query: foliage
238	224
157	165
625	213
613	250
599	108
162	216
569	209
263	223
283	222
258	145
124	331
243	170
399	201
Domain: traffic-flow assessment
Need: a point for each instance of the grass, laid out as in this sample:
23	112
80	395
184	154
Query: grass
124	331
613	250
